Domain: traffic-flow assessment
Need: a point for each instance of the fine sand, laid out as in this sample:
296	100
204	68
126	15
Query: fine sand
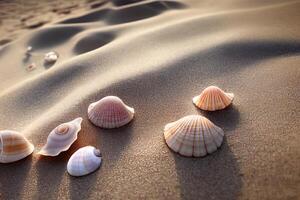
21	16
157	55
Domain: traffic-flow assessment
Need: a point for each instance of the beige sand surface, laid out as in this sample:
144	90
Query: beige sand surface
157	55
18	17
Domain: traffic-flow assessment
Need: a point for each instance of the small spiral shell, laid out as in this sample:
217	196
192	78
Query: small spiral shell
61	138
84	161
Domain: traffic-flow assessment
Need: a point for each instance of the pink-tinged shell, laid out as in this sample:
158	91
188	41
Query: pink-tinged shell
213	98
13	146
193	135
110	112
61	138
84	161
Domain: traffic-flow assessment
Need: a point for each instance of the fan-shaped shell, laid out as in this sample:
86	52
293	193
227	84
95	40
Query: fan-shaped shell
84	161
213	98
110	112
61	138
193	135
13	146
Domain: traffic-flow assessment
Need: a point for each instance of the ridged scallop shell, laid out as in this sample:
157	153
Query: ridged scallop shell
110	112
193	135
13	146
84	161
213	98
61	138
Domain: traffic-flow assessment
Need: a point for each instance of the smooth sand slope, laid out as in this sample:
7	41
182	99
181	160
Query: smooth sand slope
157	55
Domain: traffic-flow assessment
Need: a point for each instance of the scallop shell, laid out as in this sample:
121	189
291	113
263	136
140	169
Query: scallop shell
13	146
110	112
213	98
61	138
84	161
51	57
193	135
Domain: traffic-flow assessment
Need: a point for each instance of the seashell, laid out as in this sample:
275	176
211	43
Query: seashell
31	67
61	138
84	161
13	146
193	135
213	98
110	112
51	57
28	50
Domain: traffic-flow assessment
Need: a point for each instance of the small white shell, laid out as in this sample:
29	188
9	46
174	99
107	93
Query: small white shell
13	146
213	98
61	138
51	57
110	112
84	161
29	50
193	135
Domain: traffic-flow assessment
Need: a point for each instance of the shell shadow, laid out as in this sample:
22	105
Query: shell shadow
227	119
48	65
50	172
81	187
114	141
215	176
13	176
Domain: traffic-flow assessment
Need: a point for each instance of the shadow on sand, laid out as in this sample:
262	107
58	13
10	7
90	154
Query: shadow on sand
213	177
127	14
227	119
114	141
81	187
13	175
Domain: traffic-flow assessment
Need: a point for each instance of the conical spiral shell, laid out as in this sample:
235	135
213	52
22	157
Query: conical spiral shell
13	146
213	98
61	138
110	112
193	135
84	161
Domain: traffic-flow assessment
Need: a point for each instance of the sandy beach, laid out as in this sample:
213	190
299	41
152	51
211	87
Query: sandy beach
156	56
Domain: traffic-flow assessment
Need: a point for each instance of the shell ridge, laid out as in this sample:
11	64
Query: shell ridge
225	99
189	130
173	126
202	132
210	134
175	139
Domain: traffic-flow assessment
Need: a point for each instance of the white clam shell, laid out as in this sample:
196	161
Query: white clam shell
13	146
213	98
110	112
193	135
84	161
61	138
51	57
